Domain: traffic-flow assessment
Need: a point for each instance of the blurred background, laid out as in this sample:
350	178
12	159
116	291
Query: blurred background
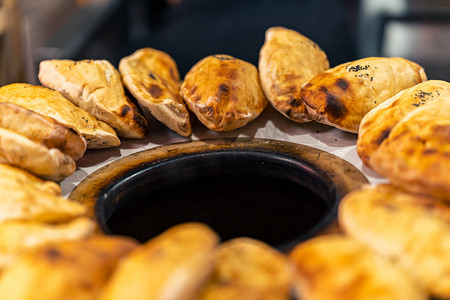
31	31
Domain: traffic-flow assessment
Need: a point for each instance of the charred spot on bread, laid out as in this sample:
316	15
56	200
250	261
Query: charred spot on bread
342	83
382	136
295	102
125	109
334	107
155	91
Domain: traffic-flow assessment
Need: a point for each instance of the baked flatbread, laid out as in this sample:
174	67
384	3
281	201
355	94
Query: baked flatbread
342	95
19	237
378	123
416	154
67	270
172	265
25	203
152	78
52	104
286	61
20	151
224	92
248	269
410	230
42	129
17	178
95	86
338	267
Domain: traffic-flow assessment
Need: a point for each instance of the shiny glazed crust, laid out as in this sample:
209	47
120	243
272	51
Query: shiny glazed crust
341	96
286	61
416	154
224	92
411	230
379	122
152	78
42	129
52	104
95	86
336	267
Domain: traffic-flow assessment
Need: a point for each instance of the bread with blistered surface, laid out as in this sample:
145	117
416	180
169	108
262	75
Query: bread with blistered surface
223	92
379	122
95	86
336	267
343	95
410	230
42	129
152	78
52	104
416	153
286	61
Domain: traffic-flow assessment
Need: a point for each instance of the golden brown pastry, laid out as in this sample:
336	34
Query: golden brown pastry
416	154
338	267
286	61
378	123
410	230
42	129
52	104
172	265
20	151
342	95
18	178
248	269
67	270
152	78
95	86
224	92
19	237
27	202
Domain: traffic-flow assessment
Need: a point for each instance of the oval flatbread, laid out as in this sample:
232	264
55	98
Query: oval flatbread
416	154
341	96
19	237
42	129
248	269
19	178
173	265
224	92
20	151
379	122
67	270
52	104
336	267
286	61
410	230
95	86
152	78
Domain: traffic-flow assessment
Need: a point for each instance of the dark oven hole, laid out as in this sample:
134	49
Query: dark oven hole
273	198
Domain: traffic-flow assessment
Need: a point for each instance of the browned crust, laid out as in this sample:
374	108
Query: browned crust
224	92
341	96
286	61
152	78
